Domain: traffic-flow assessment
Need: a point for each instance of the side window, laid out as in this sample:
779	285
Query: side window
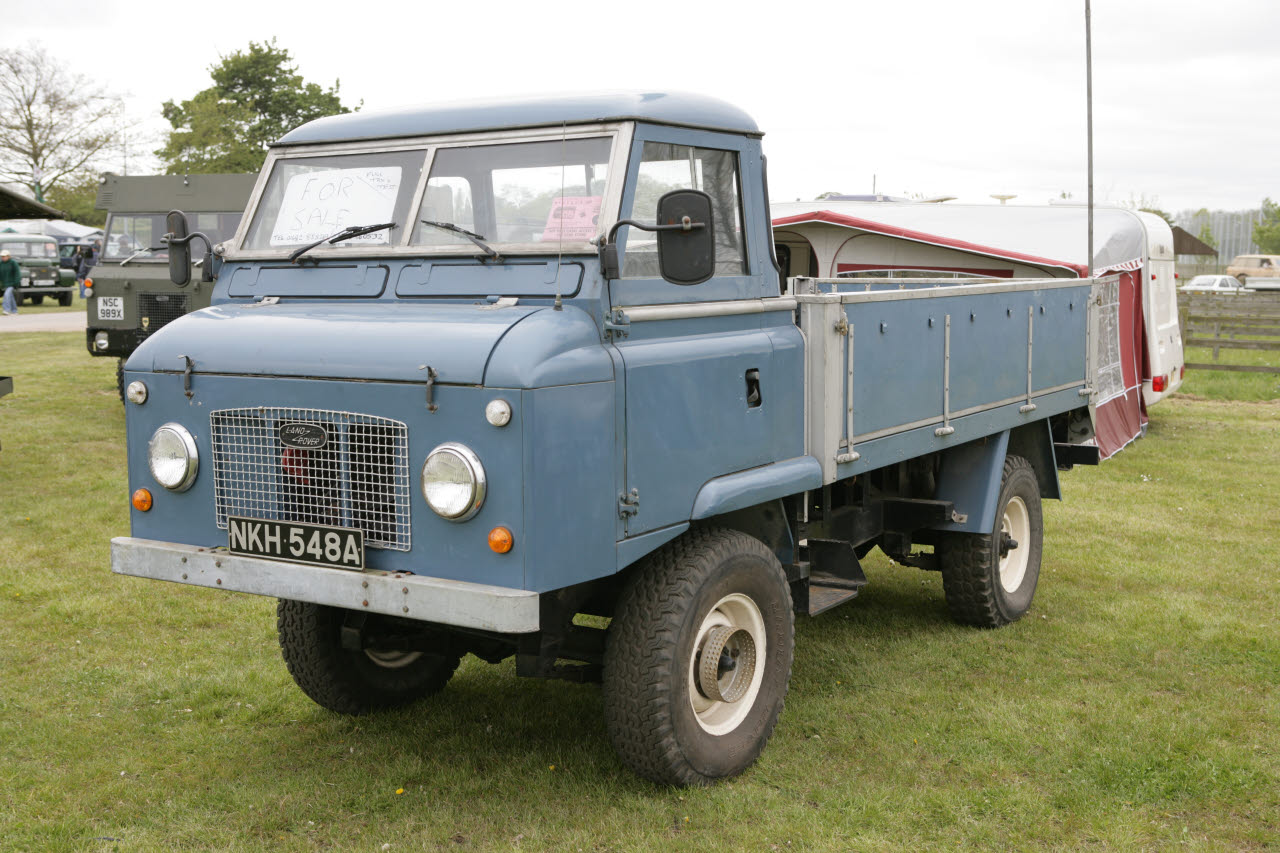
665	167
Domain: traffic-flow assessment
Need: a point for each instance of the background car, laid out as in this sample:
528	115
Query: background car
1213	284
1245	267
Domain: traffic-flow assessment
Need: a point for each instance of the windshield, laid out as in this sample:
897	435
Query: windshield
527	192
312	198
24	249
548	192
135	232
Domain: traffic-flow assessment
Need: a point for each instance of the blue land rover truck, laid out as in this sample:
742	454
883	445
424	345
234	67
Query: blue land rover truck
472	371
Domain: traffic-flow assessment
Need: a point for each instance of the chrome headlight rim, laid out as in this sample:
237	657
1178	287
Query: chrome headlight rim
192	456
477	477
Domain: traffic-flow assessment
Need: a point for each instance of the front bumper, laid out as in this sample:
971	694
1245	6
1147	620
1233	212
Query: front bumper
447	602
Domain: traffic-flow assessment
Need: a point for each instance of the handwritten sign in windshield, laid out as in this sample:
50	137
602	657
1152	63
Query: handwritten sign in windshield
317	204
573	219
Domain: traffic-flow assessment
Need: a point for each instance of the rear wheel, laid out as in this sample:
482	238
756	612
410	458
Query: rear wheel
120	378
37	299
990	579
64	299
354	681
698	658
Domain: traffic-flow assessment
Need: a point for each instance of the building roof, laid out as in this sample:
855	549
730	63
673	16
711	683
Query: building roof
671	108
14	205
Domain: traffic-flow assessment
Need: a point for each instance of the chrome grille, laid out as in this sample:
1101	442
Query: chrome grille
359	478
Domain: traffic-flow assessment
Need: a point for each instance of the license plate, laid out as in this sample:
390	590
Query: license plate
110	307
295	542
42	282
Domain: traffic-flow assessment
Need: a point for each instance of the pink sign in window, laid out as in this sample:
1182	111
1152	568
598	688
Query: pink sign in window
573	218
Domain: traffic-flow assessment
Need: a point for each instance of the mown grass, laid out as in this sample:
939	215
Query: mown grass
1135	707
1231	385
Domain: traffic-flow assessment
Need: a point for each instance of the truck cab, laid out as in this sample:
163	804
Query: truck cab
471	372
129	294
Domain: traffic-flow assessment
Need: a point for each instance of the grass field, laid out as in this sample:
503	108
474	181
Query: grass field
1136	707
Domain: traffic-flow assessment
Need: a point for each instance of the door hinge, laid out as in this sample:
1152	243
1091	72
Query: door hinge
629	504
617	323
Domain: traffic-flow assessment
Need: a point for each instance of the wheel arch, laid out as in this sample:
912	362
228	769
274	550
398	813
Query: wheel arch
970	474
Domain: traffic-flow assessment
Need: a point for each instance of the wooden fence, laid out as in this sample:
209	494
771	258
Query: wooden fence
1249	320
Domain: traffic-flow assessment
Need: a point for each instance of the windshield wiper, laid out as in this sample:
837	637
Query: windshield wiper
470	235
142	252
345	234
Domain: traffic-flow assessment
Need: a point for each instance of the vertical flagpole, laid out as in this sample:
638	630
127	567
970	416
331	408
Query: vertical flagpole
1088	66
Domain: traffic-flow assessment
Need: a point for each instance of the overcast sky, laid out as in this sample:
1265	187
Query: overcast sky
923	97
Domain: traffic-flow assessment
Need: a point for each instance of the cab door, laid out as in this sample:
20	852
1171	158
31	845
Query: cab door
709	375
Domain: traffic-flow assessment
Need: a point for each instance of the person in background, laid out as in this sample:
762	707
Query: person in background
86	259
10	277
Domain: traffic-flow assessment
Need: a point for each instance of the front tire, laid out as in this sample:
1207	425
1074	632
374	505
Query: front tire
698	658
348	681
990	579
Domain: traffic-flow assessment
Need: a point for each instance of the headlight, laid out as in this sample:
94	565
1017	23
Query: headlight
453	482
173	458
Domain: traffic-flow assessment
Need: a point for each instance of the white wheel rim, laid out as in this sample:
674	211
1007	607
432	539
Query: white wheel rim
392	660
738	612
1015	524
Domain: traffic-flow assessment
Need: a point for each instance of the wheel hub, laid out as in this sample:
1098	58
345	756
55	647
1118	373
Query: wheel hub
726	664
1015	527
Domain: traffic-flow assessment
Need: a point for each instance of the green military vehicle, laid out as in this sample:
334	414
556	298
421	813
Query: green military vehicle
37	254
130	295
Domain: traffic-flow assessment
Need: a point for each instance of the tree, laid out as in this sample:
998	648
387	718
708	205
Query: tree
1267	232
53	123
1206	228
257	95
76	197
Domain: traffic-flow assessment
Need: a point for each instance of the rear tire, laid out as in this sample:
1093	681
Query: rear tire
698	658
987	582
120	378
353	682
38	299
64	299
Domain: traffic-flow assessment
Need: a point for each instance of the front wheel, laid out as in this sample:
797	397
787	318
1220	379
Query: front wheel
990	579
354	681
698	658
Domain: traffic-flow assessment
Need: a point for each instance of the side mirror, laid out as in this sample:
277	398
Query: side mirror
686	254
179	248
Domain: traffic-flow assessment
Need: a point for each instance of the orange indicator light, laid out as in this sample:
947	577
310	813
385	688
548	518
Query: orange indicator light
142	500
501	540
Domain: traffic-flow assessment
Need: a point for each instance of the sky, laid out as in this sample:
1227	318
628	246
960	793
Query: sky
918	98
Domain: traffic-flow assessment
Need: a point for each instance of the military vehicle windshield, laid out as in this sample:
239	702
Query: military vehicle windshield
23	249
138	235
537	192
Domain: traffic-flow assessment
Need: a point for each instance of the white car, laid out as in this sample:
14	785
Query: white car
1213	284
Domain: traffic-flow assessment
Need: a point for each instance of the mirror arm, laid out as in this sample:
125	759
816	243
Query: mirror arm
609	249
206	268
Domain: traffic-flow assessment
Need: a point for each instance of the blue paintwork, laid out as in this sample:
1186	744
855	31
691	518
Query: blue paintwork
550	348
672	108
356	278
341	340
535	278
662	410
759	485
970	477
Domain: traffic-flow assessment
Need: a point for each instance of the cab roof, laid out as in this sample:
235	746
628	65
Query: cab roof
671	108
